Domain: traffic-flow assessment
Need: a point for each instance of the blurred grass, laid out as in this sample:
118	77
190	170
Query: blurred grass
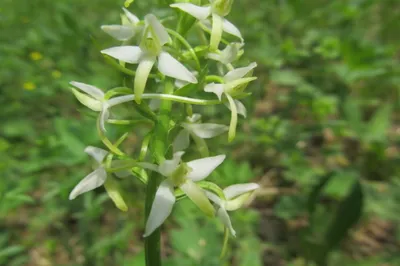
326	103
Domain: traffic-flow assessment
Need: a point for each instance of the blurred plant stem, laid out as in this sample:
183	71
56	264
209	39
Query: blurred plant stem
159	146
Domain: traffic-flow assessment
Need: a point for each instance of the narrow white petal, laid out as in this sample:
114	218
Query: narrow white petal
238	73
120	99
216	88
89	89
238	189
224	217
158	29
206	130
241	109
213	197
216	31
128	54
199	12
230	53
202	168
180	83
181	141
97	153
119	32
169	166
88	101
231	29
161	208
171	67
92	181
134	19
104	114
142	74
197	195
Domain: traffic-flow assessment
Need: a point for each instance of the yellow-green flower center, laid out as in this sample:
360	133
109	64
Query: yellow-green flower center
178	177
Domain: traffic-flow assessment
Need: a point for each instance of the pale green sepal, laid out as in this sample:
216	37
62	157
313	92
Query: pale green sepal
142	73
198	197
114	193
87	101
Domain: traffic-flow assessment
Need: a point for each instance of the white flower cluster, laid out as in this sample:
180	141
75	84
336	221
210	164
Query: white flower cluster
158	46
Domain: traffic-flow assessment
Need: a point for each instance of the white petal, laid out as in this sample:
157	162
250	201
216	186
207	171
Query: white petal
216	88
181	141
171	67
88	101
224	217
161	208
213	197
169	166
202	168
104	114
241	109
120	99
238	189
134	19
119	32
97	153
92	181
194	118
158	29
206	130
89	89
231	29
142	74
154	104
228	55
199	12
128	54
197	195
238	72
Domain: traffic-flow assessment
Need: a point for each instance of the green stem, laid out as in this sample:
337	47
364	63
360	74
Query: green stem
159	147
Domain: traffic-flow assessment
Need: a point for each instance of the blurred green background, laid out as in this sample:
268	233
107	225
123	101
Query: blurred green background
322	139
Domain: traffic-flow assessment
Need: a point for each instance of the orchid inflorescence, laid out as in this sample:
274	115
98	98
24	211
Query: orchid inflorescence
165	57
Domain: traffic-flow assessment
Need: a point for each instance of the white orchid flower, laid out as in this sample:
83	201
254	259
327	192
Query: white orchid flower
154	38
217	10
94	100
234	84
235	197
96	178
197	131
184	176
129	28
228	55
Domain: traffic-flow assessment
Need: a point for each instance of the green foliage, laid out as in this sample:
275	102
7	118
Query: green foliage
322	138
